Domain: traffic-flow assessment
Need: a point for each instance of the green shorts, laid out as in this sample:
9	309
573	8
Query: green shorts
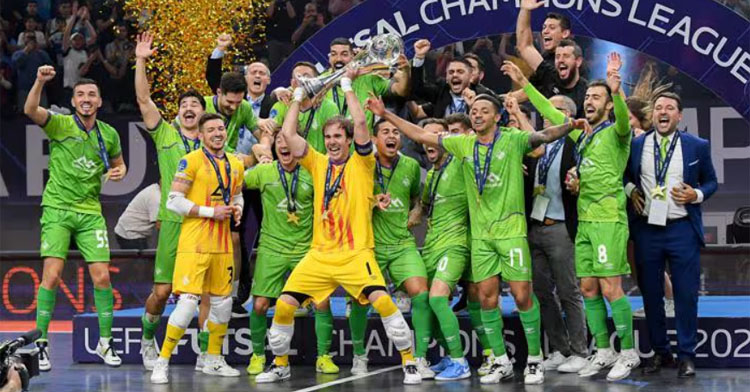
601	249
271	268
509	258
401	263
446	265
166	251
89	231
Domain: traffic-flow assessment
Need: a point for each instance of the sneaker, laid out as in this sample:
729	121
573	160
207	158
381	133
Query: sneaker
486	363
274	373
257	363
324	364
573	364
149	353
554	361
359	364
303	311
501	369
44	363
107	352
423	367
534	373
669	307
626	361
238	311
403	302
442	365
411	373
457	370
603	358
215	365
160	374
200	361
639	313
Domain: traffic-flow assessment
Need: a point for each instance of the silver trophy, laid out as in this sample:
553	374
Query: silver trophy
382	52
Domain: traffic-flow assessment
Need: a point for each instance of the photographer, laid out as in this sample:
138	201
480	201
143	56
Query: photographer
13	381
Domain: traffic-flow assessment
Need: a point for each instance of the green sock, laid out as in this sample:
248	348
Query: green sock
596	317
532	325
258	328
323	330
623	318
475	315
493	327
448	325
104	302
45	304
203	340
150	322
358	327
438	335
421	316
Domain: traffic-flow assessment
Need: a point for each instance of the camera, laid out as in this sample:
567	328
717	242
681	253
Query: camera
25	362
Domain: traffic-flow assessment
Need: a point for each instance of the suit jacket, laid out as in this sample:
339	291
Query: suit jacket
213	77
569	200
698	171
438	96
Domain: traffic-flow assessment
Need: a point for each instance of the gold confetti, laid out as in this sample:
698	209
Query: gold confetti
185	35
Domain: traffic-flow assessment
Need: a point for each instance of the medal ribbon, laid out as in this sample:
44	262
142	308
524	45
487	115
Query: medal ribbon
226	192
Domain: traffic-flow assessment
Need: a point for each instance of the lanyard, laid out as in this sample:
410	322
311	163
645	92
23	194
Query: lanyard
330	189
226	118
225	191
660	167
342	110
379	172
291	204
309	123
583	142
546	161
481	178
102	148
185	143
432	190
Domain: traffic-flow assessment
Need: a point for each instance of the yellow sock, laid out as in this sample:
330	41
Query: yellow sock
385	306
216	333
281	360
284	313
406	355
172	337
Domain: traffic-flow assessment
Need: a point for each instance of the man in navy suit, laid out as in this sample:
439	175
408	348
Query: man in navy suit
670	174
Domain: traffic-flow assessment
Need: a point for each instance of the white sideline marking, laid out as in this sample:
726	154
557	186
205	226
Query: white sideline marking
347	379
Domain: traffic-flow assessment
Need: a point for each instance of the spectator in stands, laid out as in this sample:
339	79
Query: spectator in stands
118	83
280	25
136	224
31	27
338	7
73	61
32	11
7	104
311	23
477	74
450	97
56	29
26	61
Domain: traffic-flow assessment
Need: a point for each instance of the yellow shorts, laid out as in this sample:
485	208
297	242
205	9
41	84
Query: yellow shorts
318	279
197	273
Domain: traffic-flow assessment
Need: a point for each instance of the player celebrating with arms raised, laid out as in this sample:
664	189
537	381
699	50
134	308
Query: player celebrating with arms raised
81	150
342	248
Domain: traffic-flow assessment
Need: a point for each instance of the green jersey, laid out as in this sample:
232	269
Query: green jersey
242	117
604	157
76	165
283	231
445	199
402	182
362	86
310	122
499	212
171	145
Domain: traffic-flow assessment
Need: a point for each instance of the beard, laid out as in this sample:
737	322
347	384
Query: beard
571	76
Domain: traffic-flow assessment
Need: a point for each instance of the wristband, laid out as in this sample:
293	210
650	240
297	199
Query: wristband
205	212
299	94
346	84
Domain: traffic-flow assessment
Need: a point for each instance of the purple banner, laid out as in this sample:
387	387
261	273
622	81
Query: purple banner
701	38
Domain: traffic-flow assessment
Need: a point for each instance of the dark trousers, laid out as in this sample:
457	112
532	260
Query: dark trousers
678	244
138	243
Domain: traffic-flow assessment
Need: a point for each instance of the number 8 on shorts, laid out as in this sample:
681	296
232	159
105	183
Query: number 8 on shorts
601	249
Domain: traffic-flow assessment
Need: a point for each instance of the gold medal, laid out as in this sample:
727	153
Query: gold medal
539	190
658	192
292	217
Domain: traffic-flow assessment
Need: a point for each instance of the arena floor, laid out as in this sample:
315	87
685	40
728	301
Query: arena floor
67	376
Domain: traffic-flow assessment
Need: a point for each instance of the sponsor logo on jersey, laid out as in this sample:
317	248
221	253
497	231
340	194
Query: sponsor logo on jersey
493	181
396	203
406	181
85	164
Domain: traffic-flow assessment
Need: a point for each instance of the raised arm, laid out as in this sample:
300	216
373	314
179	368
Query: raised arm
542	104
31	108
549	135
143	51
412	131
361	133
427	91
297	144
622	118
213	65
524	38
